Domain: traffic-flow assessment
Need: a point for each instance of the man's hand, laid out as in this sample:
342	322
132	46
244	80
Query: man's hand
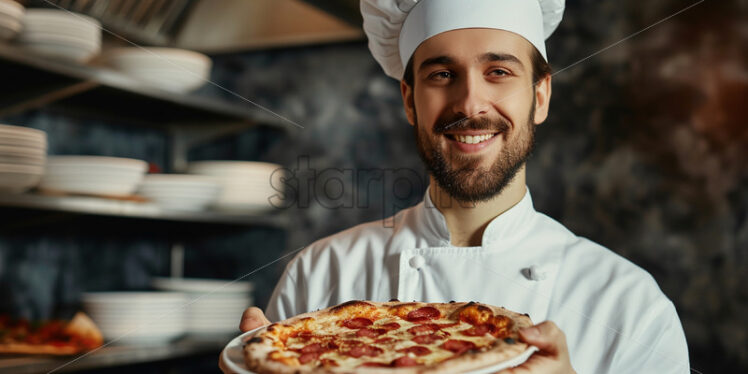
252	319
553	356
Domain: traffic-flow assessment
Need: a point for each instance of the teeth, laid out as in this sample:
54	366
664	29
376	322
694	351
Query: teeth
473	139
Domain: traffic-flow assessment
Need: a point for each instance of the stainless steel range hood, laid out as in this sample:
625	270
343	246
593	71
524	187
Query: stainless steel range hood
222	26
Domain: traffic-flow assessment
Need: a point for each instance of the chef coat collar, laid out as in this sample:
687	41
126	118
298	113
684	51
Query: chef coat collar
508	225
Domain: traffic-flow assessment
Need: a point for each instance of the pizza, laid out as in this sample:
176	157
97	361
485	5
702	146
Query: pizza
55	337
392	337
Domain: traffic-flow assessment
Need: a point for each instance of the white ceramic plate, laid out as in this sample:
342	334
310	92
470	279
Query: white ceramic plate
22	131
231	360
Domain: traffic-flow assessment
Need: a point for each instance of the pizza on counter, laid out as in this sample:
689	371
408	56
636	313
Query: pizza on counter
390	337
55	337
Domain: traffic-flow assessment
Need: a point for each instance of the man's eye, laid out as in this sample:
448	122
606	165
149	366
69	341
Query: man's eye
499	72
441	75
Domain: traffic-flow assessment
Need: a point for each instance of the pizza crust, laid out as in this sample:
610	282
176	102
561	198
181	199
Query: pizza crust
258	348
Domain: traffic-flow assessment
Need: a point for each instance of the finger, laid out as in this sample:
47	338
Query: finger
252	319
546	336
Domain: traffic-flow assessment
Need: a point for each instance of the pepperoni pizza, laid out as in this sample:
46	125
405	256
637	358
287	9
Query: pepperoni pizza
391	337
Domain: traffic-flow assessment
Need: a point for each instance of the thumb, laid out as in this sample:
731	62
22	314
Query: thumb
546	336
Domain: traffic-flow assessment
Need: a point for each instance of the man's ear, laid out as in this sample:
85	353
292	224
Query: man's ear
542	99
408	101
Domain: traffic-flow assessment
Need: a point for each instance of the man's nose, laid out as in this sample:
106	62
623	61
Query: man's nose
471	97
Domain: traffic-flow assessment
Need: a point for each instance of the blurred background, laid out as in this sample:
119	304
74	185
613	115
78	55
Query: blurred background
643	152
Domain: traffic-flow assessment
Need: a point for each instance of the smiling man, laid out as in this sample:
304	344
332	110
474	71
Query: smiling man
475	84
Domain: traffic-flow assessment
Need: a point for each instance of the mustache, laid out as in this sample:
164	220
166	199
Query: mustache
466	123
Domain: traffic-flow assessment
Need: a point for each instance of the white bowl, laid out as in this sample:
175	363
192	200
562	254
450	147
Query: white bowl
11	182
61	39
12	8
135	317
224	168
61	17
215	306
61	52
99	161
203	286
167	68
180	191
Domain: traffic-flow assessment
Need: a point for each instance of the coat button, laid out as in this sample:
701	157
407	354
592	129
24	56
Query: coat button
417	262
534	273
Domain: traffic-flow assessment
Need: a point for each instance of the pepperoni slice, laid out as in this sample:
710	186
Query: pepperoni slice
458	346
357	323
425	328
390	326
370	333
423	314
384	340
426	339
364	350
416	350
404	361
479	330
308	357
312	348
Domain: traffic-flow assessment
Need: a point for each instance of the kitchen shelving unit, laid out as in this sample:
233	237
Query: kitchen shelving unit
30	82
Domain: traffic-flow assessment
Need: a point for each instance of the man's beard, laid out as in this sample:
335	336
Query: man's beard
472	183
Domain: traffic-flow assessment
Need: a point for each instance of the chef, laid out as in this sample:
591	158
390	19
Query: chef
475	83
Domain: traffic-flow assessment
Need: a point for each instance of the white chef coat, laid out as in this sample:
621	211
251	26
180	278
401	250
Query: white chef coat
615	317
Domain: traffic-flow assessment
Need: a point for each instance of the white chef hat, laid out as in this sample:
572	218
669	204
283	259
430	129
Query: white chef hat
395	28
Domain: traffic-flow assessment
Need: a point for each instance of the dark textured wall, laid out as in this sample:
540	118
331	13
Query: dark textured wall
643	152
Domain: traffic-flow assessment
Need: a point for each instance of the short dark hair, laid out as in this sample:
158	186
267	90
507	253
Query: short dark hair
540	68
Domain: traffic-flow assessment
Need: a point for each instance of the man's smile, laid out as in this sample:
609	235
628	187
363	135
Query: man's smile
470	141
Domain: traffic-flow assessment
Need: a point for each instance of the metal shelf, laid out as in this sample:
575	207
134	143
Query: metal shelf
32	81
139	210
114	355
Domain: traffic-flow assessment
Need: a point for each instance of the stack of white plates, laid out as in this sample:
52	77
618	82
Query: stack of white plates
94	175
11	14
22	155
216	306
60	34
180	191
171	69
137	317
247	186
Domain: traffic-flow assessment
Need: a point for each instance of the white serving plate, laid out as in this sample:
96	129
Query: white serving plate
231	360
